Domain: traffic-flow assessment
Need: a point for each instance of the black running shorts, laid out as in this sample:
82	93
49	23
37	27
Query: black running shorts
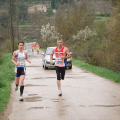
20	71
60	71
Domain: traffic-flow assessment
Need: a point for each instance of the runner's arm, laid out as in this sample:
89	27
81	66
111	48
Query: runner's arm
26	57
13	57
68	53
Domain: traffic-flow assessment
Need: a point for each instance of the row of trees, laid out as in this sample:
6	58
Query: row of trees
56	3
19	12
2	2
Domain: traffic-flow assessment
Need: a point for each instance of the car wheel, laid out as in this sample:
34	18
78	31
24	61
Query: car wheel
45	67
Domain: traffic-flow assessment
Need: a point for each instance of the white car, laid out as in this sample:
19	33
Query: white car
46	59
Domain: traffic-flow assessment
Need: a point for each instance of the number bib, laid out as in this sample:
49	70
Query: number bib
59	62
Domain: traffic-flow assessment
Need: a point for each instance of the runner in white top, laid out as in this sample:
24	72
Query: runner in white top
20	67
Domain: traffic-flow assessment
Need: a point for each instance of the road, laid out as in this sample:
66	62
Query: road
85	96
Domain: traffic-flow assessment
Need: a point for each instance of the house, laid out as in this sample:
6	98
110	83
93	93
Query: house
38	7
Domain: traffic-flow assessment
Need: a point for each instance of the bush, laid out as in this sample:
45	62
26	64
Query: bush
7	47
50	12
113	40
104	14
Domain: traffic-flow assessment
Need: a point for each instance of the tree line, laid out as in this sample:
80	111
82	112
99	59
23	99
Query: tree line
56	3
2	2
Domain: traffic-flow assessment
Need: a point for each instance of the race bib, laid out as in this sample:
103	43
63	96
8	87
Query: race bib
59	61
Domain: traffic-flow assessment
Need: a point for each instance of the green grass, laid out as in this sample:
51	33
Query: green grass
98	18
42	49
6	78
103	72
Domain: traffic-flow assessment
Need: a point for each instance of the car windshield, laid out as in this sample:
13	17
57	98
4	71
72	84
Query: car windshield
49	51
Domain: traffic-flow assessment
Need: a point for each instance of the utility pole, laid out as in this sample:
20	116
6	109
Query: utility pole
17	11
17	29
11	30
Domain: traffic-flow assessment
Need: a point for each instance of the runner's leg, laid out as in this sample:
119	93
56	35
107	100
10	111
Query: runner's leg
58	77
59	84
17	80
17	75
62	73
59	80
17	83
22	84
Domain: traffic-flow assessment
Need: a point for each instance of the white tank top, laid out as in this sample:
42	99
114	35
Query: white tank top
21	58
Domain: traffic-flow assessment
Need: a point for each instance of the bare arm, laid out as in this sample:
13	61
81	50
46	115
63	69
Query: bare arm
51	57
13	57
26	57
68	53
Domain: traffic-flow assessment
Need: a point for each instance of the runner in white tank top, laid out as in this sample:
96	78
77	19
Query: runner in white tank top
20	67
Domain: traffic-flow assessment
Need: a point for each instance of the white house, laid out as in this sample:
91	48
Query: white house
38	7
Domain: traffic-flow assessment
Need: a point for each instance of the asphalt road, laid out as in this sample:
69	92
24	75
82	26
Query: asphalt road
85	96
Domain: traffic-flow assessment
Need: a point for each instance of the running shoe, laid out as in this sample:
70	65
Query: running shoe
16	88
60	93
21	98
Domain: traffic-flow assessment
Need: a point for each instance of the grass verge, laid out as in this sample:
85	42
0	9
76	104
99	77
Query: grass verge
42	49
27	41
103	72
6	78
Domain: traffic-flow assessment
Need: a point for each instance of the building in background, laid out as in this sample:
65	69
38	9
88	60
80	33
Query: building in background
38	7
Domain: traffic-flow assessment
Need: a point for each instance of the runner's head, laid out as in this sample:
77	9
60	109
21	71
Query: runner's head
21	45
59	42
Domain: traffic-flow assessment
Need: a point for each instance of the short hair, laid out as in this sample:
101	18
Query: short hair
20	42
59	39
